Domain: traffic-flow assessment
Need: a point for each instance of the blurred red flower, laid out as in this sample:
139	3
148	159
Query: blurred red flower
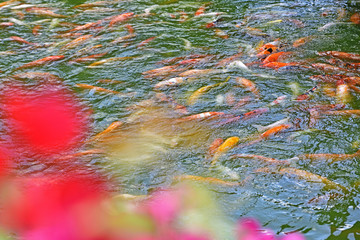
45	120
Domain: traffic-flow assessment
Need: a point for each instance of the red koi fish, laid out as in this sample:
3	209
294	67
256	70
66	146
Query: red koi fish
86	26
35	30
341	55
276	65
41	62
275	57
88	58
20	40
200	11
121	18
143	43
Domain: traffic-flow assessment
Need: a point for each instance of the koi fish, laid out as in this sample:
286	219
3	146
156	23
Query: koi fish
220	33
275	124
6	24
113	59
327	78
38	76
80	154
311	177
93	4
86	26
275	56
202	116
302	41
20	40
44	12
122	39
342	92
41	62
120	18
228	60
88	58
262	158
201	10
228	144
274	130
327	156
210	180
343	112
171	82
199	72
7	3
249	85
143	43
355	18
307	94
110	128
341	55
35	30
195	96
177	107
328	68
76	42
213	146
97	89
276	65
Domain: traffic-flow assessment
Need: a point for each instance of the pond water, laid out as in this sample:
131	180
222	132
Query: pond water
155	144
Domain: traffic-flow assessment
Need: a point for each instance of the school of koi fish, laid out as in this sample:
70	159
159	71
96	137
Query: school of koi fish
197	102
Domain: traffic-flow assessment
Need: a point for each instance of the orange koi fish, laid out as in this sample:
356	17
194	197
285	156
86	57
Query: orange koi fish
80	154
6	24
143	43
41	62
35	30
123	38
307	94
275	130
93	4
97	89
68	35
109	129
328	78
328	68
113	59
76	42
225	61
202	116
220	33
38	76
213	146
44	12
275	56
210	180
249	85
341	55
160	70
20	40
355	18
200	11
120	18
7	3
228	144
311	177
276	65
327	156
342	92
343	112
266	50
130	29
302	41
88	58
86	26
